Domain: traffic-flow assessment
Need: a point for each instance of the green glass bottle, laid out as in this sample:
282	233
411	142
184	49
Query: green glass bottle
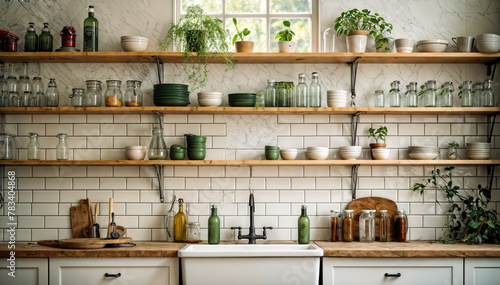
214	227
90	32
45	40
304	226
31	39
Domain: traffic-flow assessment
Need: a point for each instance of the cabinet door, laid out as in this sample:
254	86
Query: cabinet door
404	271
482	271
28	271
97	271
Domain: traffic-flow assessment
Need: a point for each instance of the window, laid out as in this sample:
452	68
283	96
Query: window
264	19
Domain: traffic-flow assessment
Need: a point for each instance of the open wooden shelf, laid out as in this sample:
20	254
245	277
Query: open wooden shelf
243	162
256	57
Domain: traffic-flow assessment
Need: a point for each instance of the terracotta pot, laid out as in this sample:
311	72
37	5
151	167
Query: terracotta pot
376	146
244	46
286	46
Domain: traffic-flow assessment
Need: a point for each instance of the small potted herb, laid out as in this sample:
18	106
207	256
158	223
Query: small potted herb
242	45
379	152
284	37
452	150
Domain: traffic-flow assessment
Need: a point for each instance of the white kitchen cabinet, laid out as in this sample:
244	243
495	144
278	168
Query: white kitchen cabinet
97	271
482	271
28	271
404	271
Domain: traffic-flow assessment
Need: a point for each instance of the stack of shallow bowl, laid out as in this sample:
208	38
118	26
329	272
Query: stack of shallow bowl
272	152
209	99
317	153
197	149
436	45
478	150
289	153
336	98
350	152
134	43
242	99
170	94
423	152
488	43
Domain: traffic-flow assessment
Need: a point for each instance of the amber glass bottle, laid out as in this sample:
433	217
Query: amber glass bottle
180	221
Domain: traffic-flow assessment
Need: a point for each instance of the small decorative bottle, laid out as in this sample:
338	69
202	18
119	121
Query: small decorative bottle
133	94
304	225
412	95
45	40
157	147
347	226
395	95
488	97
270	94
33	147
214	227
334	224
465	94
401	226
52	94
447	95
315	91
302	97
180	221
31	39
383	225
62	148
379	98
430	96
366	232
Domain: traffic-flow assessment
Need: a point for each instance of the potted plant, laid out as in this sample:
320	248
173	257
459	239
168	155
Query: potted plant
378	148
242	45
452	150
284	37
200	37
380	29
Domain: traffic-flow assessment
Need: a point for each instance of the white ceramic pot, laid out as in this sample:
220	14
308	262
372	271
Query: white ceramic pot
380	153
356	43
286	46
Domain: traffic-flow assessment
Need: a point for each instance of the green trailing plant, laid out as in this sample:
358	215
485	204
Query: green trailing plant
201	38
470	220
378	134
258	97
285	35
245	32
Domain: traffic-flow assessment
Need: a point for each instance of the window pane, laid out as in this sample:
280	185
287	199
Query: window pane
245	7
257	27
302	29
290	6
210	6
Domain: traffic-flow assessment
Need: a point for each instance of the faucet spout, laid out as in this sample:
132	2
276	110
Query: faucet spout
251	236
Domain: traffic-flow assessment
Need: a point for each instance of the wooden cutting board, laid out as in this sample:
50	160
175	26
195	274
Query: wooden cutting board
80	218
91	242
375	203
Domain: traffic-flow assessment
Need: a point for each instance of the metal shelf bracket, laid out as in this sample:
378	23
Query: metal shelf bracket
159	173
159	67
354	180
354	71
490	126
491	174
489	71
354	127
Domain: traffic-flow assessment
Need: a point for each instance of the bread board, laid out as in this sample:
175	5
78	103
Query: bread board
86	243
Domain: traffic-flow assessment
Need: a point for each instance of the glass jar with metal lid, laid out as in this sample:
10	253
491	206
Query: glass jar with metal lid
193	233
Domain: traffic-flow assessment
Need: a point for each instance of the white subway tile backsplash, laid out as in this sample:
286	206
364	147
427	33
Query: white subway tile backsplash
303	130
113	129
411	130
30	222
292	196
437	129
304	183
291	171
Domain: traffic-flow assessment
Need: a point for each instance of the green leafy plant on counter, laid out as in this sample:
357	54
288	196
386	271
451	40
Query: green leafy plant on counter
201	38
285	35
378	134
470	220
239	34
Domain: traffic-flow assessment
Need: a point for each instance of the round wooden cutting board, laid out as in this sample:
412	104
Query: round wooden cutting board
91	242
375	203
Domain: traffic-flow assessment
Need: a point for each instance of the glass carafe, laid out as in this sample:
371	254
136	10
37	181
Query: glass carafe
52	94
477	93
395	95
157	147
93	95
465	95
45	40
430	96
33	147
62	148
77	97
315	91
302	93
412	95
114	96
31	39
8	148
366	230
133	96
488	97
379	98
270	94
447	94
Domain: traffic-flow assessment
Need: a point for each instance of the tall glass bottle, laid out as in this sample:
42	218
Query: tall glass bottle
4	89
477	93
31	39
465	95
304	226
62	148
90	32
270	94
214	227
348	226
430	96
395	95
45	40
24	85
157	147
379	98
412	95
301	96
52	94
488	97
180	221
383	225
334	225
315	91
33	147
447	95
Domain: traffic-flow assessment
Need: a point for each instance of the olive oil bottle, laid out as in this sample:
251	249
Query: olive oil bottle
304	226
180	221
90	32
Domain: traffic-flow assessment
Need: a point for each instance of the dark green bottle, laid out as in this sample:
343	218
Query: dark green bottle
90	32
31	39
304	226
214	227
45	40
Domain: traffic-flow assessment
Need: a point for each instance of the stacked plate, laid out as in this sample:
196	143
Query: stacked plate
317	153
134	43
170	94
423	152
209	99
432	45
336	98
242	99
350	152
488	43
478	150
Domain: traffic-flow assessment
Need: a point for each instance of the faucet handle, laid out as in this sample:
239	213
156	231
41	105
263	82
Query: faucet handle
267	228
264	234
236	228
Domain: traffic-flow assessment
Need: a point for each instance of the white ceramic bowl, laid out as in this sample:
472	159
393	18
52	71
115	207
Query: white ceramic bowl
135	152
209	102
480	145
380	153
350	152
336	104
423	156
404	49
134	46
344	92
288	154
437	45
317	155
321	148
215	93
404	43
134	38
478	156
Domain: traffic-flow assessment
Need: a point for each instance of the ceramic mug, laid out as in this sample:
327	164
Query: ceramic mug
404	45
464	43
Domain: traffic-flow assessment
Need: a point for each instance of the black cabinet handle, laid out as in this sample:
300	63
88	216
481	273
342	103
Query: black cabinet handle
113	275
392	275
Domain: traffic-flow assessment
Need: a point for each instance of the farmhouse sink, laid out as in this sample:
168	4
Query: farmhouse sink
250	264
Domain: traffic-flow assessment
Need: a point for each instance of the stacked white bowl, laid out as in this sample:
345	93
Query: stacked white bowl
288	153
134	43
210	99
336	98
317	153
423	152
136	152
350	152
478	150
436	45
488	43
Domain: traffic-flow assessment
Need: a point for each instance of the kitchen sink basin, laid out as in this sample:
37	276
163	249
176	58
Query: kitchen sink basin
250	264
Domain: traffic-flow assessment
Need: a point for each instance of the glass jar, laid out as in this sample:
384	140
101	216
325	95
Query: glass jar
31	39
302	97
394	95
366	230
33	147
488	97
315	91
347	226
447	94
193	233
93	95
430	96
465	94
383	225
283	91
379	98
62	148
270	94
477	94
8	147
133	95
113	94
412	95
37	90
334	224
45	40
24	84
157	147
14	99
401	226
77	97
52	94
452	152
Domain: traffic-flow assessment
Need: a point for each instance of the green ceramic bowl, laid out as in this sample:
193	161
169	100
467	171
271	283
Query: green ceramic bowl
177	155
272	147
272	154
196	139
197	155
176	147
197	145
161	102
245	104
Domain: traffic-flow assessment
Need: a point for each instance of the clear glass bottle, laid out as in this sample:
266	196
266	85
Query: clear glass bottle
291	94
394	95
24	85
334	225
488	97
348	226
447	94
379	98
93	95
31	39
214	227
383	225
412	95
193	232
465	95
170	227
477	94
38	92
283	94
91	32
180	221
52	94
33	147
304	226
8	148
4	91
157	148
133	95
14	99
11	80
77	97
45	40
270	94
401	226
315	91
113	94
430	96
366	230
62	148
301	95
